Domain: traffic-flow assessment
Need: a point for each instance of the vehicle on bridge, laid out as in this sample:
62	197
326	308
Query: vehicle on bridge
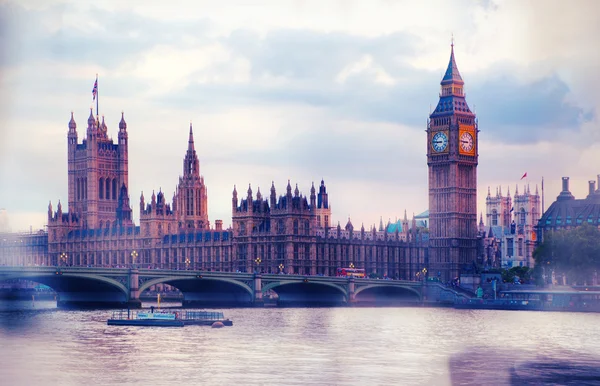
351	272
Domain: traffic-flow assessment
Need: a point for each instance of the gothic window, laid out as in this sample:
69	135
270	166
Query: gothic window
295	227
520	247
326	221
509	247
494	217
523	216
114	189
280	227
101	188
242	228
107	188
306	227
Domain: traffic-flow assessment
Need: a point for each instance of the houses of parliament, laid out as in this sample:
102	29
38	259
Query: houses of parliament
282	231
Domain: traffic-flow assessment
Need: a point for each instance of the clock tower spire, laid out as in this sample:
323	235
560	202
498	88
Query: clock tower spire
452	159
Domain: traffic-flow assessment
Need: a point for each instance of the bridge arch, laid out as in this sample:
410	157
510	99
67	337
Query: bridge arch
53	280
377	294
405	288
275	284
307	293
171	279
207	291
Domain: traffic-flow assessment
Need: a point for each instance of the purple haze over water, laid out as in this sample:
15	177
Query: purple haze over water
41	345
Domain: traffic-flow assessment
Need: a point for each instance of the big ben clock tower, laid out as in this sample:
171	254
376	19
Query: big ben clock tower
452	160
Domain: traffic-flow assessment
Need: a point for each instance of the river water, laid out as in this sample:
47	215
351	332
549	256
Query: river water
41	345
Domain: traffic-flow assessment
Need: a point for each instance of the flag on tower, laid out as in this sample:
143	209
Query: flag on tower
524	175
95	89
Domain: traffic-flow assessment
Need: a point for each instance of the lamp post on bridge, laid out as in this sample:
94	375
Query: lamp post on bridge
258	260
351	265
134	256
281	267
187	263
63	258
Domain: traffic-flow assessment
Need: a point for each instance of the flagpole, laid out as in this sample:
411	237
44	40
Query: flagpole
97	95
543	208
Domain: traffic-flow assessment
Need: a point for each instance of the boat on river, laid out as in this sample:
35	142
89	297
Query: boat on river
167	318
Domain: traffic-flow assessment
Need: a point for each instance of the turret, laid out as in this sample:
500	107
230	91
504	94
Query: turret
122	123
289	190
313	197
234	200
296	191
142	204
249	199
273	197
50	211
481	225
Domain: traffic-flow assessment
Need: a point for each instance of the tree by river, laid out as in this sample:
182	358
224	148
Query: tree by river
574	252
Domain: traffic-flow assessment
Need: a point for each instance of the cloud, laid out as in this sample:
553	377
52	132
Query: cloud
304	91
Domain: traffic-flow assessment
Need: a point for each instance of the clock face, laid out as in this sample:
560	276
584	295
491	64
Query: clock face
466	142
439	142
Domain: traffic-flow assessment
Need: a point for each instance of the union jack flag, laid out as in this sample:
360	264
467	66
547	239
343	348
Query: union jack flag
95	89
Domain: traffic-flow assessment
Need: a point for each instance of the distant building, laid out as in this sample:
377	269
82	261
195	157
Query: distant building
509	234
567	212
4	221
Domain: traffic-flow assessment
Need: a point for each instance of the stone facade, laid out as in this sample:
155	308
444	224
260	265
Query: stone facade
290	233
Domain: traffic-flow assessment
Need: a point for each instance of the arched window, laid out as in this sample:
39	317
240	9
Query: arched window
107	196
295	227
494	217
101	188
114	189
523	216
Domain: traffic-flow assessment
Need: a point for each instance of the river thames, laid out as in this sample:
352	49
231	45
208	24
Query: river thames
41	345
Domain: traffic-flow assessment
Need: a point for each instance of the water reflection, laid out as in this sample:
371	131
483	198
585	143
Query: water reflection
311	346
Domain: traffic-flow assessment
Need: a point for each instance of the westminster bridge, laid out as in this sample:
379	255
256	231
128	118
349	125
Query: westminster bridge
80	287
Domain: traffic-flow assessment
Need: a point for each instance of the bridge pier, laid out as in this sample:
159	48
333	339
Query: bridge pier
134	289
258	296
351	292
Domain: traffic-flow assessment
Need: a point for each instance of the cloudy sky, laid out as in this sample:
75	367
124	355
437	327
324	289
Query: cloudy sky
298	90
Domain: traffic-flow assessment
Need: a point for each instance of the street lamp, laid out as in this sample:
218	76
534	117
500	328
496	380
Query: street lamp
134	256
187	263
258	260
63	258
351	265
281	267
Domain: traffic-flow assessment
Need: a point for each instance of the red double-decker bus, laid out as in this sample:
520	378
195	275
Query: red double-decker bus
351	272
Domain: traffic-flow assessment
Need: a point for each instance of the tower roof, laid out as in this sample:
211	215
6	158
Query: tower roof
122	123
452	74
452	98
72	124
191	139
